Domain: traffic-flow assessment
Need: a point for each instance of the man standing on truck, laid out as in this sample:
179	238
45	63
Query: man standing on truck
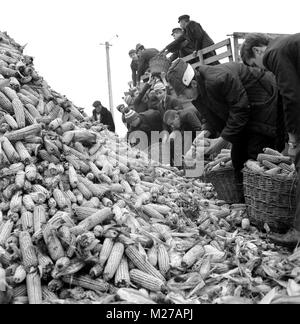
282	57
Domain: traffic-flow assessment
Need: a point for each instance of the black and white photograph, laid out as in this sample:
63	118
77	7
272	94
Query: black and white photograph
149	155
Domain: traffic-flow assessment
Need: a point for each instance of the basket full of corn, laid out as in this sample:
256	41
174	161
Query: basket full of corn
220	173
270	190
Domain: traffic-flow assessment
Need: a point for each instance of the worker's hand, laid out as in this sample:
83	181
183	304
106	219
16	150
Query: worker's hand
195	53
216	145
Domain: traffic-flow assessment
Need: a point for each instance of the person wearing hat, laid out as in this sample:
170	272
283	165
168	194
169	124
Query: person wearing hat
103	115
179	49
134	66
145	55
239	104
194	32
147	122
281	56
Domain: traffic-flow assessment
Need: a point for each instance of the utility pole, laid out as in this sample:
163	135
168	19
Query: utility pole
109	81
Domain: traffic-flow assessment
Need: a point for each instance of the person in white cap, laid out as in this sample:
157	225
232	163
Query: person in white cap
239	103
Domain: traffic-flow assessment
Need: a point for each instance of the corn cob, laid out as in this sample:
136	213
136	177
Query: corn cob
27	222
23	153
269	165
10	151
29	96
60	198
139	261
39	218
33	111
122	277
5	257
274	171
147	281
19	112
11	122
254	166
16	203
8	72
24	133
286	167
45	156
73	176
96	271
163	260
274	159
163	209
34	288
45	264
6	232
152	212
54	246
20	179
271	152
87	194
5	103
87	283
41	106
192	256
153	256
20	291
48	295
19	275
113	261
205	268
107	247
31	172
84	212
27	251
96	191
39	188
70	196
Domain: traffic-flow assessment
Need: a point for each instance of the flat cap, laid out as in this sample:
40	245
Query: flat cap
183	17
180	75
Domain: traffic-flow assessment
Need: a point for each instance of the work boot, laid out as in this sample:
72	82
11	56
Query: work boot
290	239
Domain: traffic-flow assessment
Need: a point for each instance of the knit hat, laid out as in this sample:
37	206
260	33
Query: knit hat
133	51
180	75
139	46
131	116
159	86
128	99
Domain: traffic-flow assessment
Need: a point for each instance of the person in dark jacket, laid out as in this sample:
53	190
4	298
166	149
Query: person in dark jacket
194	33
281	56
145	55
146	122
239	104
179	50
166	103
103	115
134	66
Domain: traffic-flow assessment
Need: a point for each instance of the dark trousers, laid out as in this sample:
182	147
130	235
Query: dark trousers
248	146
297	215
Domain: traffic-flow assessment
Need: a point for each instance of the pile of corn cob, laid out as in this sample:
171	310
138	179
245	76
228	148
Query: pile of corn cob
273	163
86	219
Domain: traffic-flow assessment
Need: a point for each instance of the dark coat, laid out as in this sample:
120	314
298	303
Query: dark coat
144	60
180	49
140	103
170	103
134	68
282	57
105	118
234	97
150	121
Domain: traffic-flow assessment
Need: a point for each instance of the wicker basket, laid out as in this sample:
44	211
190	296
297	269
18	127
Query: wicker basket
159	64
270	199
225	185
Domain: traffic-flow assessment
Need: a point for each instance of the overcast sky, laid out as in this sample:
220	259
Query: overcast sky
64	36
